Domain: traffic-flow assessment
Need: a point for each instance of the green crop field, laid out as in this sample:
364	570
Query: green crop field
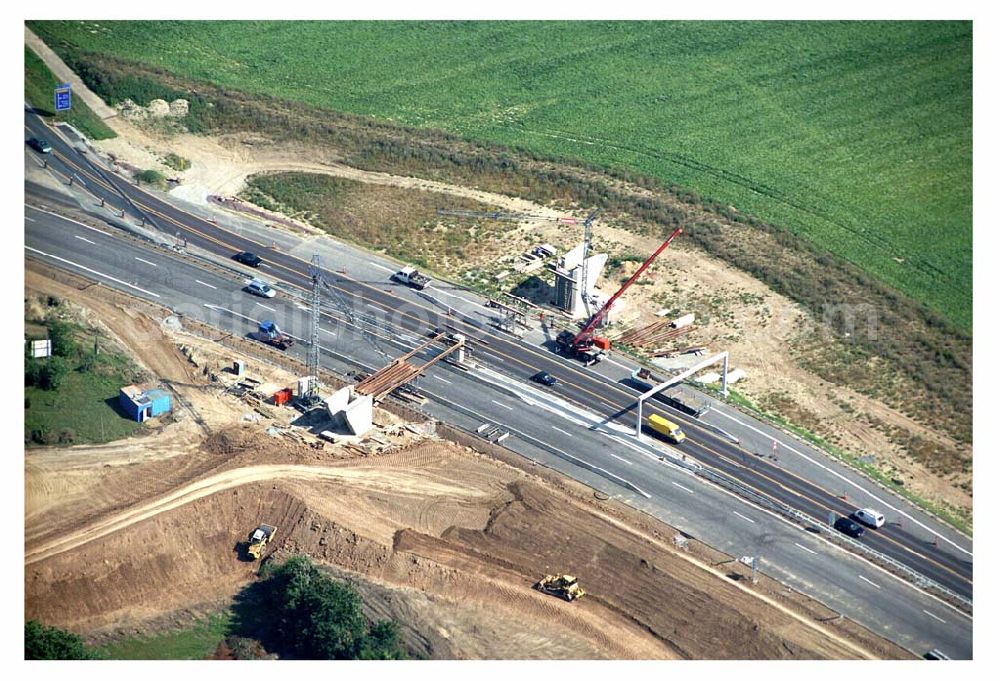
856	135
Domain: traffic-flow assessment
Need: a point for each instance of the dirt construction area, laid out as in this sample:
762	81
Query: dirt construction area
445	540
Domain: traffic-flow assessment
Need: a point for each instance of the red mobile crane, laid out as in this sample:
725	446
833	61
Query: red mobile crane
585	345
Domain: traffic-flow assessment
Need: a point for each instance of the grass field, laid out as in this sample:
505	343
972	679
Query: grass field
193	643
39	84
857	135
83	409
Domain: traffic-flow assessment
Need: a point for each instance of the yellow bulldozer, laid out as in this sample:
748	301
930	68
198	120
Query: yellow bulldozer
563	586
258	539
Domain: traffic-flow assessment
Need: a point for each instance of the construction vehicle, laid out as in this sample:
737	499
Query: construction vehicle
562	586
591	348
269	333
411	277
258	539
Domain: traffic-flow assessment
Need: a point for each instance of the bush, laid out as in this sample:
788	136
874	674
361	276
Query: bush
176	162
153	177
52	373
62	334
315	617
49	643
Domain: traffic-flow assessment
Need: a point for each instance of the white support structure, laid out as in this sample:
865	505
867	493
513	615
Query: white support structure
722	356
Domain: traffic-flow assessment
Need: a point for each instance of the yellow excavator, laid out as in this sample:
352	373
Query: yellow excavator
563	586
259	538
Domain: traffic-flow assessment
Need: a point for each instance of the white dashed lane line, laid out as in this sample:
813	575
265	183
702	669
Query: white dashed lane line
146	261
934	616
199	281
749	520
84	239
865	579
805	548
443	380
87	269
686	489
266	307
375	264
561	431
499	404
328	332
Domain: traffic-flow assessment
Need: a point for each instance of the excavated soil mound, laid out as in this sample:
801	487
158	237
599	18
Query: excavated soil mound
443	540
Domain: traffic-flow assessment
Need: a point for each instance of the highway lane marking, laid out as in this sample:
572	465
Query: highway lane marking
443	380
845	479
805	548
531	350
63	217
926	612
84	239
470	302
561	431
381	267
146	261
749	520
328	332
686	489
303	308
199	281
863	578
237	314
620	458
266	307
500	404
29	219
87	269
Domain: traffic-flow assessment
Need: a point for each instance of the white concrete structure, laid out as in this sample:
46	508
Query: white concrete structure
355	410
569	275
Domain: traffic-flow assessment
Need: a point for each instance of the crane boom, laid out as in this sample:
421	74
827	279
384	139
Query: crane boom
585	336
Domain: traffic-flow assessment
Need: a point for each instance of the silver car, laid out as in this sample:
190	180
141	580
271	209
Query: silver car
261	288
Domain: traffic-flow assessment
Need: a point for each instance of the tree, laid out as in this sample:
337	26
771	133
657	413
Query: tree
315	617
62	335
52	373
50	643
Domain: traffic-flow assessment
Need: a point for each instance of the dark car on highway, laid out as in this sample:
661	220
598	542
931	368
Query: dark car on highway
849	527
248	258
545	378
40	145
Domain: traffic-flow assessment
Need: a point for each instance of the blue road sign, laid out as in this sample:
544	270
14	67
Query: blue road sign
63	99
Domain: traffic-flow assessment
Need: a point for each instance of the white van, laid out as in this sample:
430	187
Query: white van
870	517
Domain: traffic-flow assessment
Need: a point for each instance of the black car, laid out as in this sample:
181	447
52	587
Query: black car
248	258
849	527
40	145
544	377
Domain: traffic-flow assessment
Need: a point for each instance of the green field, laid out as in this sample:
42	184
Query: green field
39	84
196	642
857	135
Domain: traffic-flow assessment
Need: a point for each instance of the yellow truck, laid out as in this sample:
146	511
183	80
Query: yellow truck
668	429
